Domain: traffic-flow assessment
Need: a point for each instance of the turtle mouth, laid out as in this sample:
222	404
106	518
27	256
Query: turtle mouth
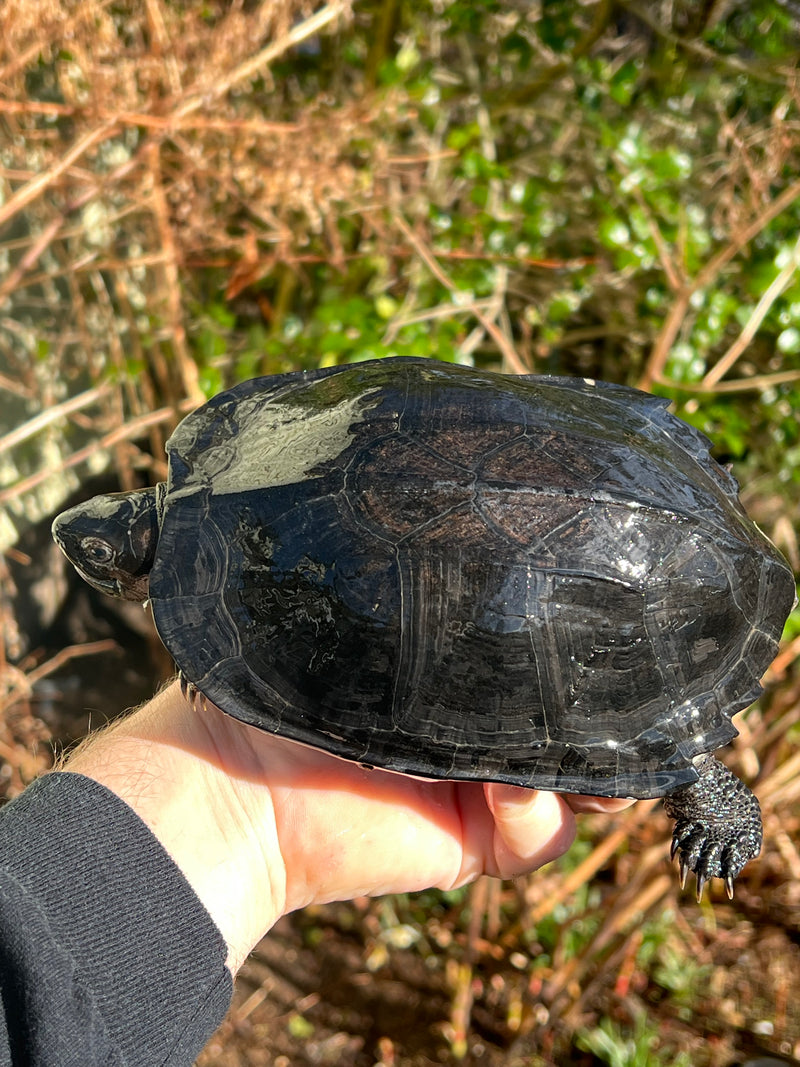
127	587
103	585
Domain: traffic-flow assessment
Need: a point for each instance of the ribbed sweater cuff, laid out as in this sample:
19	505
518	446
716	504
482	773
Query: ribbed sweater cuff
111	927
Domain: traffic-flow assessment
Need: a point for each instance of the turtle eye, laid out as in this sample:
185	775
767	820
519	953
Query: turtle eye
97	550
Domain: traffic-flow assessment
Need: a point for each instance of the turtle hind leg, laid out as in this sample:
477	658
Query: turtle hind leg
717	825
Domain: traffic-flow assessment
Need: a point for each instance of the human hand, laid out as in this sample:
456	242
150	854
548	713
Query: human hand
261	826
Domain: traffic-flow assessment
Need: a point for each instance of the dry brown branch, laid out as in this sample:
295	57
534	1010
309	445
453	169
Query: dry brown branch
654	369
789	852
256	64
112	403
633	904
171	287
26	682
598	857
757	384
457	1031
23	197
509	353
29	765
788	773
442	311
56	225
162	44
129	431
616	928
145	120
45	418
759	313
15	276
788	654
625	908
93	262
671	266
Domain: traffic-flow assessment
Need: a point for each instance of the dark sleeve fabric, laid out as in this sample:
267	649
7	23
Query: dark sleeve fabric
106	954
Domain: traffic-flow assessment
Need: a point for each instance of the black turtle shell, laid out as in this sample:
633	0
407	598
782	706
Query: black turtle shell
459	574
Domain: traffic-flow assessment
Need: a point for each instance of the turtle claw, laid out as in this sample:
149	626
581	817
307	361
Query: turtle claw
684	866
701	884
708	859
684	870
705	858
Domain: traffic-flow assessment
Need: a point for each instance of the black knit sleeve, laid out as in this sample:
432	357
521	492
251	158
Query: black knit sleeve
106	954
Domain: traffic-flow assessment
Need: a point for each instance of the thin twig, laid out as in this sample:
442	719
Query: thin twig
45	418
674	320
511	356
633	912
64	655
27	681
172	286
44	239
130	430
675	279
29	192
257	63
768	298
786	656
161	44
442	311
159	123
51	231
596	859
758	383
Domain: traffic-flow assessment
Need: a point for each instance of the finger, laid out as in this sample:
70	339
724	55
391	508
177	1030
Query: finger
532	827
604	805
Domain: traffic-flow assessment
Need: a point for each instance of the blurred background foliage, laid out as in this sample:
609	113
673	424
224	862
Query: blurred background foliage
193	192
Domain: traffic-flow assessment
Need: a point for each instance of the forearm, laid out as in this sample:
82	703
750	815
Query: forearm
219	829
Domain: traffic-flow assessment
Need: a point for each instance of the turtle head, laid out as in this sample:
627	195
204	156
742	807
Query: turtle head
111	541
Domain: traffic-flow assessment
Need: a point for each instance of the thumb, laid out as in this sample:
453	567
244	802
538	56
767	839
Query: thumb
531	827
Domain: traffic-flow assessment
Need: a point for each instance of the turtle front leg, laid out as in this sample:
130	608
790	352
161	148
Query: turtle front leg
717	825
191	693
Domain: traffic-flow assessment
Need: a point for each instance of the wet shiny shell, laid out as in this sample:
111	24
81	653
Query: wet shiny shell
458	574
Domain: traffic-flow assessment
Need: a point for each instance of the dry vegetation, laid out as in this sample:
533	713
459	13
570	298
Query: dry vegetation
196	192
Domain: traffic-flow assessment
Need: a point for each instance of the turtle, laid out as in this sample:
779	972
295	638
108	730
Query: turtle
458	574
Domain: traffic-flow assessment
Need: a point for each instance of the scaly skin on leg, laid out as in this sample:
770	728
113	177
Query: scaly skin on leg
717	825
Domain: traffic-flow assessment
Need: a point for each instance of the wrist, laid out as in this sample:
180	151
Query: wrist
186	775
